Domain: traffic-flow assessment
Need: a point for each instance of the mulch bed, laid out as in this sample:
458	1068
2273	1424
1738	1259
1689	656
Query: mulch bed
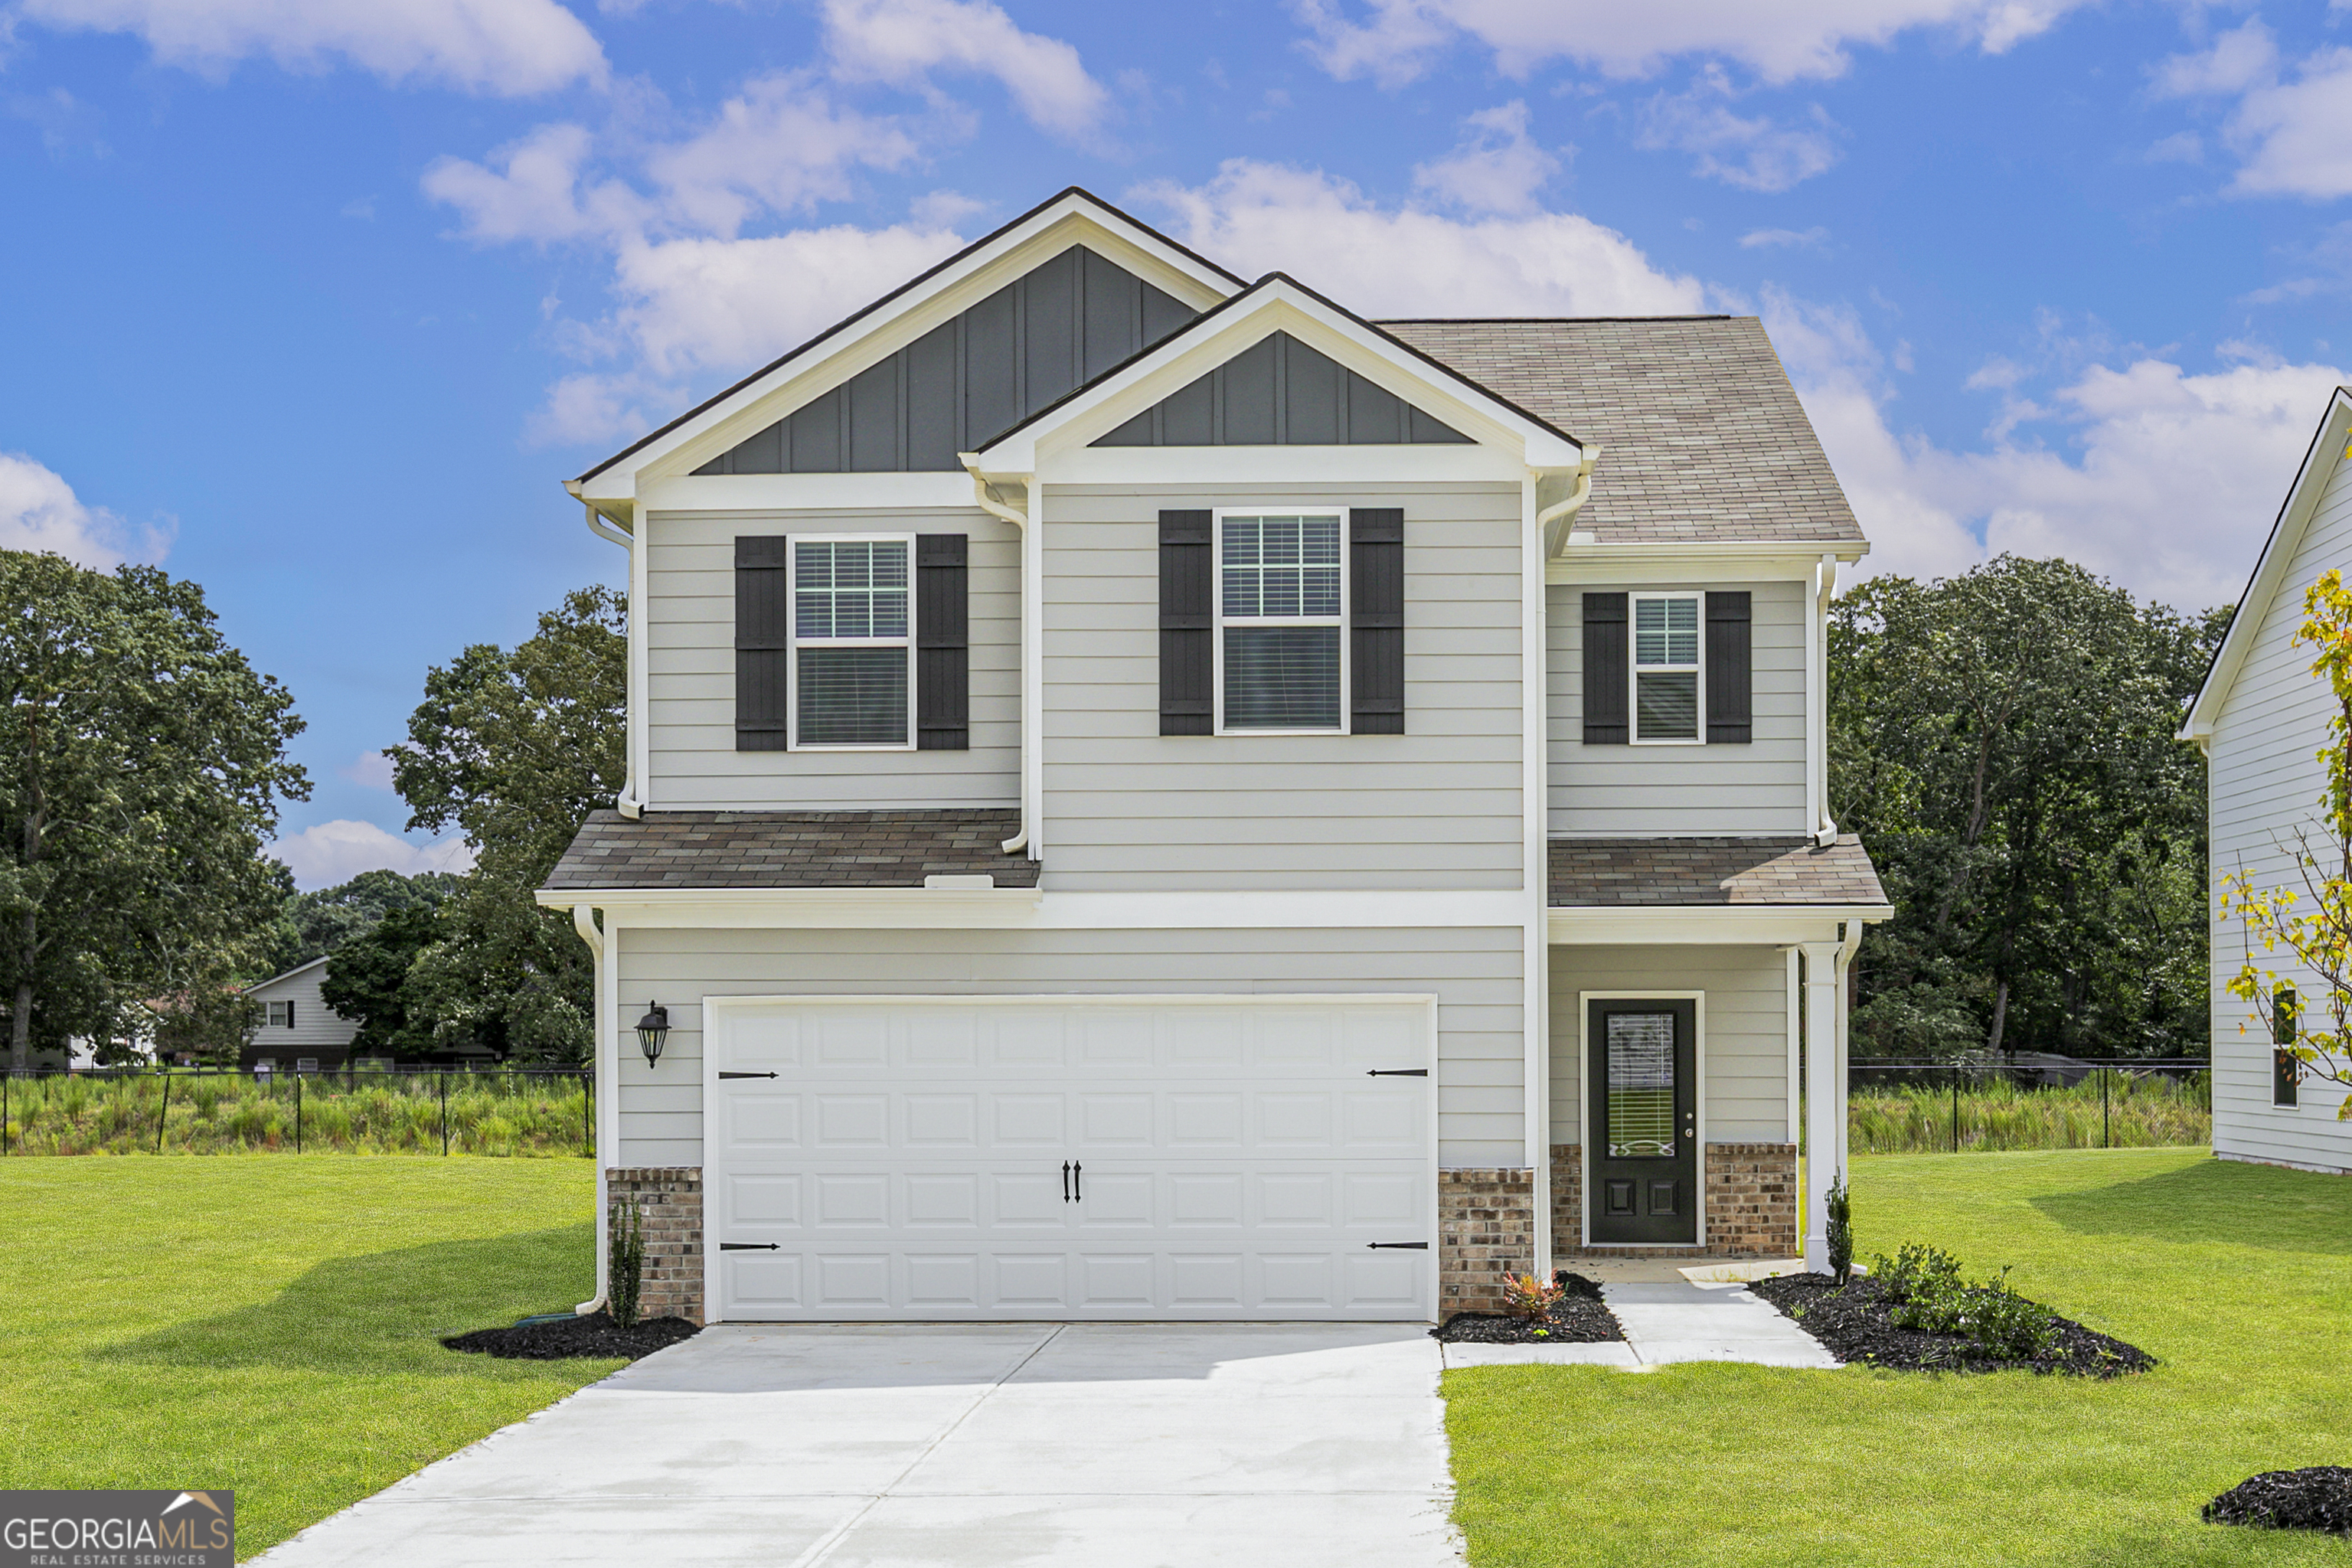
2317	1498
1578	1318
593	1335
1855	1324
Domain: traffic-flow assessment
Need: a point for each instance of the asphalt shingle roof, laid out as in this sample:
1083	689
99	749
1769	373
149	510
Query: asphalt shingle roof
713	850
1666	872
1702	436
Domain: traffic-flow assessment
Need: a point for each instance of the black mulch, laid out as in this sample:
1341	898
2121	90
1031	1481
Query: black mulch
2317	1498
1578	1318
593	1335
1855	1324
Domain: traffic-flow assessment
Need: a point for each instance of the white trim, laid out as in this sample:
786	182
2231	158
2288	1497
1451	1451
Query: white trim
1427	462
1035	910
289	974
1218	621
1794	1129
638	723
1696	669
905	641
942	491
1766	925
1584	1080
1693	560
1535	950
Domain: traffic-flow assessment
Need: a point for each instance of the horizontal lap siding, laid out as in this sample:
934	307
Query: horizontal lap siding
2265	781
690	659
1436	806
1747	1030
1474	974
316	1025
1636	790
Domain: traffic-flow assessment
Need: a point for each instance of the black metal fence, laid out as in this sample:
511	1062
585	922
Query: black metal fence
2034	1102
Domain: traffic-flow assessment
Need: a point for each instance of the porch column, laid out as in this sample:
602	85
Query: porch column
1824	1098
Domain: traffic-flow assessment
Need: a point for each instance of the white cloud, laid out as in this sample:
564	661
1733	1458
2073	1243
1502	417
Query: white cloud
38	510
1497	168
533	192
1780	40
1813	238
506	48
372	769
329	853
1755	154
2180	147
2291	130
2237	61
1381	261
903	41
779	145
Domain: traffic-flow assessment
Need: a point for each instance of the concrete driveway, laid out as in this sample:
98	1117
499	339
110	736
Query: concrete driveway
1106	1446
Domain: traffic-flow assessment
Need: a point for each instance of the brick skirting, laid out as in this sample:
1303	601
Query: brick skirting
1751	1204
1485	1226
671	1199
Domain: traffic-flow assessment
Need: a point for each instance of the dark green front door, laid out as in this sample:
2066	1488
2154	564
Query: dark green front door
1642	1081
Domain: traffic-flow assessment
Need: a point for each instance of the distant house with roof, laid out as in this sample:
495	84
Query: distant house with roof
297	1026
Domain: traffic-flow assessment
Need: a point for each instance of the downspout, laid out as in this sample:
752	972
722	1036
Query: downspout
1563	512
985	494
583	920
628	802
1825	829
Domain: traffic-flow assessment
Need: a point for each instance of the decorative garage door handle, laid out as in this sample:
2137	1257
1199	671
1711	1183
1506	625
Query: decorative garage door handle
749	1246
1399	1246
1065	1180
1078	1182
1398	1072
747	1075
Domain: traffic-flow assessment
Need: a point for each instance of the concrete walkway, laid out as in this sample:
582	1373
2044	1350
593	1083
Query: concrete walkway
1672	1313
1106	1446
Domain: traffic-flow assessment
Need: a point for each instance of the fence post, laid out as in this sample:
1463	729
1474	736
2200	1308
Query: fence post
7	1082
298	1112
163	1114
2106	1129
444	1075
1956	1108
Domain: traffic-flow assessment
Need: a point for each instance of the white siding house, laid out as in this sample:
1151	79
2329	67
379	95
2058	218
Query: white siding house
2262	717
295	1025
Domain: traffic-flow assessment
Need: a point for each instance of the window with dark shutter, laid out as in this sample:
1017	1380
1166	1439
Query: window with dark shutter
762	645
1605	682
942	643
1376	616
1187	624
1730	704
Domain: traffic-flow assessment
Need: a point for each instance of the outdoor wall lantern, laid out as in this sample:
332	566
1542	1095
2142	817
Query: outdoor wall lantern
653	1030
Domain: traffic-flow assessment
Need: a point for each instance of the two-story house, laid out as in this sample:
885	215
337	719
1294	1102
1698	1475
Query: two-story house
1153	796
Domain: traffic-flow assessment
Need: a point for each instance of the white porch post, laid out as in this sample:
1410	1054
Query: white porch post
1824	1098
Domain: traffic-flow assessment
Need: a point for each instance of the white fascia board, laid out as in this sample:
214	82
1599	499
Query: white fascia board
1030	910
1615	925
1694	561
1277	306
1342	467
808	492
2319	463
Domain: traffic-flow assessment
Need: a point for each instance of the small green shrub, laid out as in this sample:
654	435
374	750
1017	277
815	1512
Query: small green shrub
1930	1295
1840	1232
1914	1268
2002	1322
628	1261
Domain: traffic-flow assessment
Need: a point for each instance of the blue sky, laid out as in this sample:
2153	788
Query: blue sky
316	303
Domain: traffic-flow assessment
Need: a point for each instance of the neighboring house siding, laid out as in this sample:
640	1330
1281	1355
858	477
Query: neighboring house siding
1747	1030
2265	781
690	621
1474	972
1437	806
1753	788
319	1030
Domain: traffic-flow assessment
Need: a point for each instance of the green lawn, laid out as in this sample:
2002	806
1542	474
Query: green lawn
269	1324
2238	1278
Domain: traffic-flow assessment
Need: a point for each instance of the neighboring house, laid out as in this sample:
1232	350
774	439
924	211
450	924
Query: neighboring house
295	1025
1150	795
2261	718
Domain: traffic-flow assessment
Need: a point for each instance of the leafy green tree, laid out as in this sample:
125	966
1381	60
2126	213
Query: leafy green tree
368	981
2003	740
142	764
316	924
516	749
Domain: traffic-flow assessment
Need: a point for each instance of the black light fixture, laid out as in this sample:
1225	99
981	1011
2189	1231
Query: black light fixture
653	1030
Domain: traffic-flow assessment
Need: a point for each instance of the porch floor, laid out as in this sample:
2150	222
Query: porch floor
1674	1310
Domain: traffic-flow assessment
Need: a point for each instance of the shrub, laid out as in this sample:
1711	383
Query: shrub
1931	1297
1526	1296
1839	1202
2002	1322
1915	1267
628	1264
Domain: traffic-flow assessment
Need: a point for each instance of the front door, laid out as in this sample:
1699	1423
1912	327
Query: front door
1644	1081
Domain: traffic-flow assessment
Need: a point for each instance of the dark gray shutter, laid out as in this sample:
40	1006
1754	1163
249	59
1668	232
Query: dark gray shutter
1187	625
1376	619
942	644
762	636
289	1013
1730	707
1605	655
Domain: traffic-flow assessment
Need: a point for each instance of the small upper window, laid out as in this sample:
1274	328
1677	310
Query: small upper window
1665	668
1280	611
851	682
281	1015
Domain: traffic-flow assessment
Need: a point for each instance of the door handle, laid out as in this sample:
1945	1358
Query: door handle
747	1075
1079	1182
747	1245
1065	1180
1399	1246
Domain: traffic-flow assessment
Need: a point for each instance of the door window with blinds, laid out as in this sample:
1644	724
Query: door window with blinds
1667	672
1281	647
852	647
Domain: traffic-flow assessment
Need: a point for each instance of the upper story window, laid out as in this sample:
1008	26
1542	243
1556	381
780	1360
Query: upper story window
1666	669
852	656
1281	611
281	1015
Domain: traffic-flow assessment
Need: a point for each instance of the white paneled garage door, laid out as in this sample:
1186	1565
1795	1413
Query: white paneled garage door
1146	1158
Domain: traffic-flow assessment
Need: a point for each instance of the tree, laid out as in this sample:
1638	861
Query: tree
368	981
141	764
315	924
2003	740
516	749
2319	941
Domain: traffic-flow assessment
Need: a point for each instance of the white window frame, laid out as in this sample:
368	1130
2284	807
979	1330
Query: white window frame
280	1010
1219	622
1634	669
792	641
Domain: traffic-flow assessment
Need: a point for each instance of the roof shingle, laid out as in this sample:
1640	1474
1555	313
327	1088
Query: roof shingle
718	850
1655	872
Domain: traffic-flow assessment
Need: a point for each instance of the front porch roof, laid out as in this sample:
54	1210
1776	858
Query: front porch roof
719	850
1670	873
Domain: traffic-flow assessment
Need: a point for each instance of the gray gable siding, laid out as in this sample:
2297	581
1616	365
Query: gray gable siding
318	1030
1279	392
1032	341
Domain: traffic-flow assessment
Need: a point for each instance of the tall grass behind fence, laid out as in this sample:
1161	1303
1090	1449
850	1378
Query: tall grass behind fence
511	1114
1994	1113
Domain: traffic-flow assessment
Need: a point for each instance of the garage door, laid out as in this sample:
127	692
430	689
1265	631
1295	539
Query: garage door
1030	1158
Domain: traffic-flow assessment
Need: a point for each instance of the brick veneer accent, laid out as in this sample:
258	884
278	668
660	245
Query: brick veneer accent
671	1199
1486	1225
1751	1204
1567	1199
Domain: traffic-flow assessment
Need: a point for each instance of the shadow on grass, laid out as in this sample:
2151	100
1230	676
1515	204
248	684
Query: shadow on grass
2216	1202
384	1311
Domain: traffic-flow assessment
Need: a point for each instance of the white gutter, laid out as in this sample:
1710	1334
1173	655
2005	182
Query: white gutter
1817	707
1032	662
583	920
1563	512
628	802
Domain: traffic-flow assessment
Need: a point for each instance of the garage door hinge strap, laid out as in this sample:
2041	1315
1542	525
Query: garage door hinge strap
747	1075
749	1246
1396	1072
1399	1246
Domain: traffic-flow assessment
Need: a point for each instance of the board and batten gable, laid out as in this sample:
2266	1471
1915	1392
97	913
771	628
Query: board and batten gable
693	762
1628	791
2263	781
1437	806
1474	972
